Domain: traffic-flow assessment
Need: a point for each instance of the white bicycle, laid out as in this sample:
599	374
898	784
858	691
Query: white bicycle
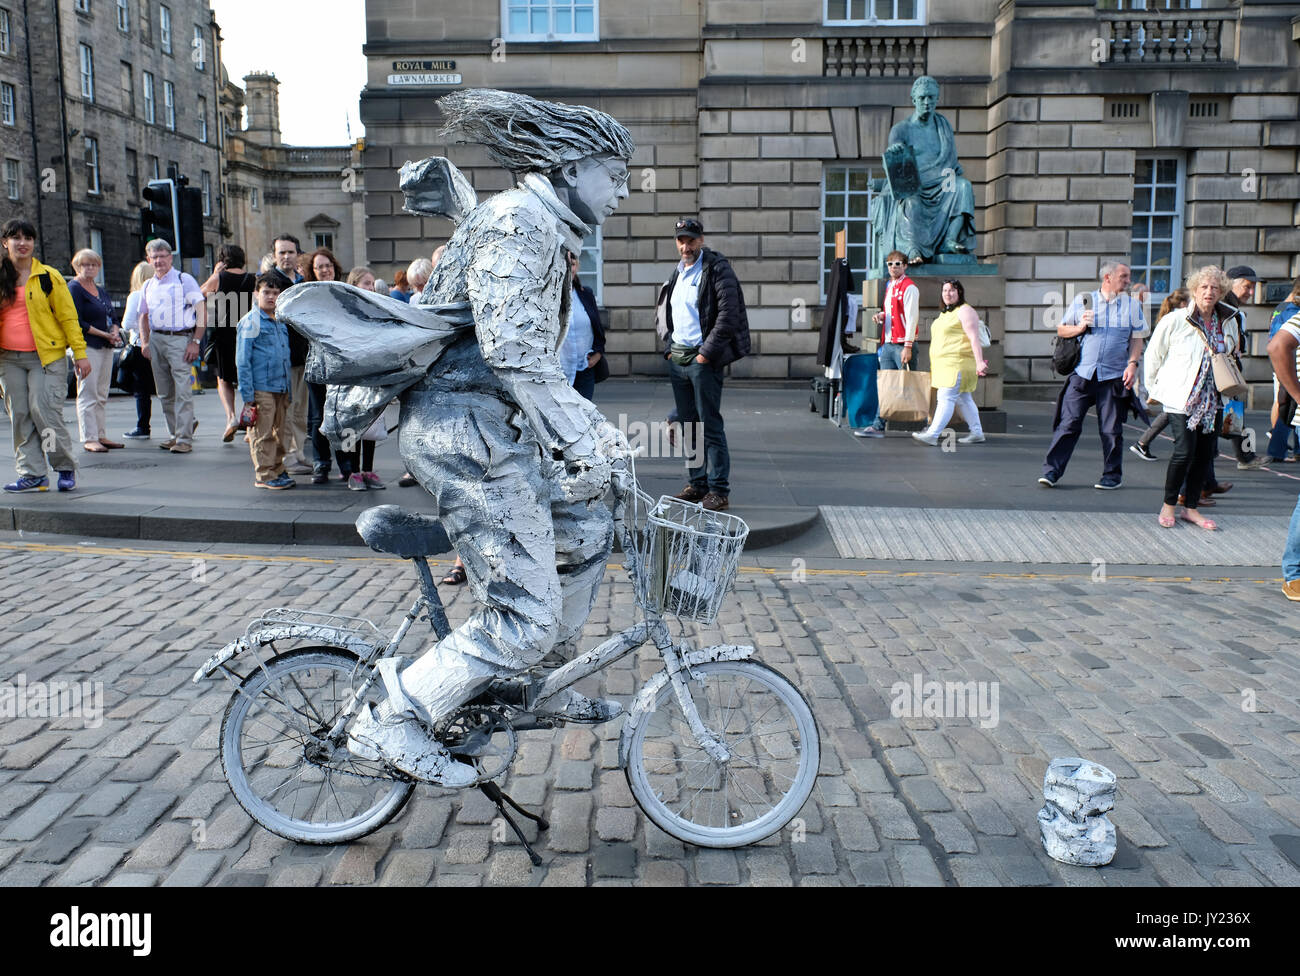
719	750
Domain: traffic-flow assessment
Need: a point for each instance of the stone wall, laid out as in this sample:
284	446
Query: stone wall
740	105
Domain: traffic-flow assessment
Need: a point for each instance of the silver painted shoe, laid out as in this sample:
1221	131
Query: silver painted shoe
405	744
573	707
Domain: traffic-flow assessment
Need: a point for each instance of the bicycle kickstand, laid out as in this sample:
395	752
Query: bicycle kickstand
495	794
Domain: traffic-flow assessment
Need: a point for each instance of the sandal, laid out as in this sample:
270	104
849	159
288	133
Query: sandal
1207	524
455	577
1166	521
94	447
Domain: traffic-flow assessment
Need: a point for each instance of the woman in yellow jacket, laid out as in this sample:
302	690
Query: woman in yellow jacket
38	324
956	359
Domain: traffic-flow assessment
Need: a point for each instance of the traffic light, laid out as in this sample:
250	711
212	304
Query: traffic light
160	218
191	220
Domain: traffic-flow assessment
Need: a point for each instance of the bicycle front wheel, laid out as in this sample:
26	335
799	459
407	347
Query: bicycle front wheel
283	770
769	728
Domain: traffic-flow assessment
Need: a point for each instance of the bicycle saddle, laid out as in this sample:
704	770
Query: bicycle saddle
392	529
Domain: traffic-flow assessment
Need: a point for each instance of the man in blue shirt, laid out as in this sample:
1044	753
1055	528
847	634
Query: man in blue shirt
1113	328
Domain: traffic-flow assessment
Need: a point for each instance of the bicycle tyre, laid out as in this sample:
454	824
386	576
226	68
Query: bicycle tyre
265	750
768	797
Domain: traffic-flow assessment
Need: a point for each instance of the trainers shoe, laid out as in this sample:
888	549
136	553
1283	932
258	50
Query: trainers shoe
713	502
168	444
356	482
320	476
925	438
971	439
1291	590
182	448
136	435
1142	452
869	432
67	480
372	480
691	494
1108	484
1260	461
29	483
573	707
1047	482
407	745
298	468
275	484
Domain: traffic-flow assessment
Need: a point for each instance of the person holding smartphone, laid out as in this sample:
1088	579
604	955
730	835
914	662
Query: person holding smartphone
1113	327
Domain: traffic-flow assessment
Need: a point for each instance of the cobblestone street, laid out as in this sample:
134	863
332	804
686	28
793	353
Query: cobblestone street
1187	690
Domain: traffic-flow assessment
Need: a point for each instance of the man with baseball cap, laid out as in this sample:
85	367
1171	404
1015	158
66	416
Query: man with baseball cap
700	318
1242	291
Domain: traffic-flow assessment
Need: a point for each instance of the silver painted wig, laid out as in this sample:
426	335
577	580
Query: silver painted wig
526	134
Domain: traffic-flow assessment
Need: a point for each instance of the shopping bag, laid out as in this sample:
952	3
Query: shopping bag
1234	418
904	395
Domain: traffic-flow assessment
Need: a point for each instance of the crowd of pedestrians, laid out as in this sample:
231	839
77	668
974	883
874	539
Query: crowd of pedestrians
259	365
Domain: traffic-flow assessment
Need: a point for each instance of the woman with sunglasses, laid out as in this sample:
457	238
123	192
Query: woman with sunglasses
956	359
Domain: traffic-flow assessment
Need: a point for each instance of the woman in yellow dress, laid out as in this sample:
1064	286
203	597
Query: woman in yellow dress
956	359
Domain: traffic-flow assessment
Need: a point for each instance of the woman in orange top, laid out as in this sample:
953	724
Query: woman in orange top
38	324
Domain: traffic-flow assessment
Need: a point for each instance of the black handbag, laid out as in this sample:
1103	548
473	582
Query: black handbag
124	379
1066	354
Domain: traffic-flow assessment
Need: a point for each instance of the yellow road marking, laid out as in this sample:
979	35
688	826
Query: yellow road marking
744	570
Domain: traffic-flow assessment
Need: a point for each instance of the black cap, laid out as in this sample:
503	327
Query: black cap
689	227
1242	271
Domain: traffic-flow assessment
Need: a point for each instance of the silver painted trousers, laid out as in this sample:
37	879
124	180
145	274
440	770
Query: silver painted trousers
534	561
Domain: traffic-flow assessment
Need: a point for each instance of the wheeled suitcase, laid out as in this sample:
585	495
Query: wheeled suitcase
860	402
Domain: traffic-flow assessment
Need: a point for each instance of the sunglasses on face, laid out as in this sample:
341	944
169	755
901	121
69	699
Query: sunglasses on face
895	264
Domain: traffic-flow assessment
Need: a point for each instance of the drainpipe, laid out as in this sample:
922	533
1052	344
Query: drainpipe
63	122
31	104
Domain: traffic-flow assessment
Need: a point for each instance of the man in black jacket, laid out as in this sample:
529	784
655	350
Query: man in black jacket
700	317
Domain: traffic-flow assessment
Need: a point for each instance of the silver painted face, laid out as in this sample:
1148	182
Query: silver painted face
598	188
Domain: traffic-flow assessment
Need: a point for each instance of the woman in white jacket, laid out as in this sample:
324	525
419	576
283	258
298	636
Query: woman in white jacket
1180	374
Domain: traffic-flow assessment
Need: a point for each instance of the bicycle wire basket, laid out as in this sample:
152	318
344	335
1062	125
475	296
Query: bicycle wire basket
685	557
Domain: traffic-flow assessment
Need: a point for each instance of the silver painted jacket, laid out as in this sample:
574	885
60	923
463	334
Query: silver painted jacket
507	261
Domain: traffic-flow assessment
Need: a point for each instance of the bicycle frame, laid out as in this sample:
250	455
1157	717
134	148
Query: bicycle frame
379	658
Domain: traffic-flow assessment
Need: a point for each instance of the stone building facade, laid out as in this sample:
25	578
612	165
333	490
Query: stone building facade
1089	130
314	193
107	94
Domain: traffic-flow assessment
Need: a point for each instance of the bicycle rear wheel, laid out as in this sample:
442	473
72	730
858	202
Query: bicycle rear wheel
282	770
770	730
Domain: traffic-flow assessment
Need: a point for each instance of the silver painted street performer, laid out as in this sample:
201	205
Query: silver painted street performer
518	462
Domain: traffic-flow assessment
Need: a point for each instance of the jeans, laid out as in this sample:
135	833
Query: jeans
1190	462
697	388
585	383
1152	432
1291	555
1080	394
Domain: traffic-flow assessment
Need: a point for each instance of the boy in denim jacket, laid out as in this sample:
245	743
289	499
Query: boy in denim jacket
262	358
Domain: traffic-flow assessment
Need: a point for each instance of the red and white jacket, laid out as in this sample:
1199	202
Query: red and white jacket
902	307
